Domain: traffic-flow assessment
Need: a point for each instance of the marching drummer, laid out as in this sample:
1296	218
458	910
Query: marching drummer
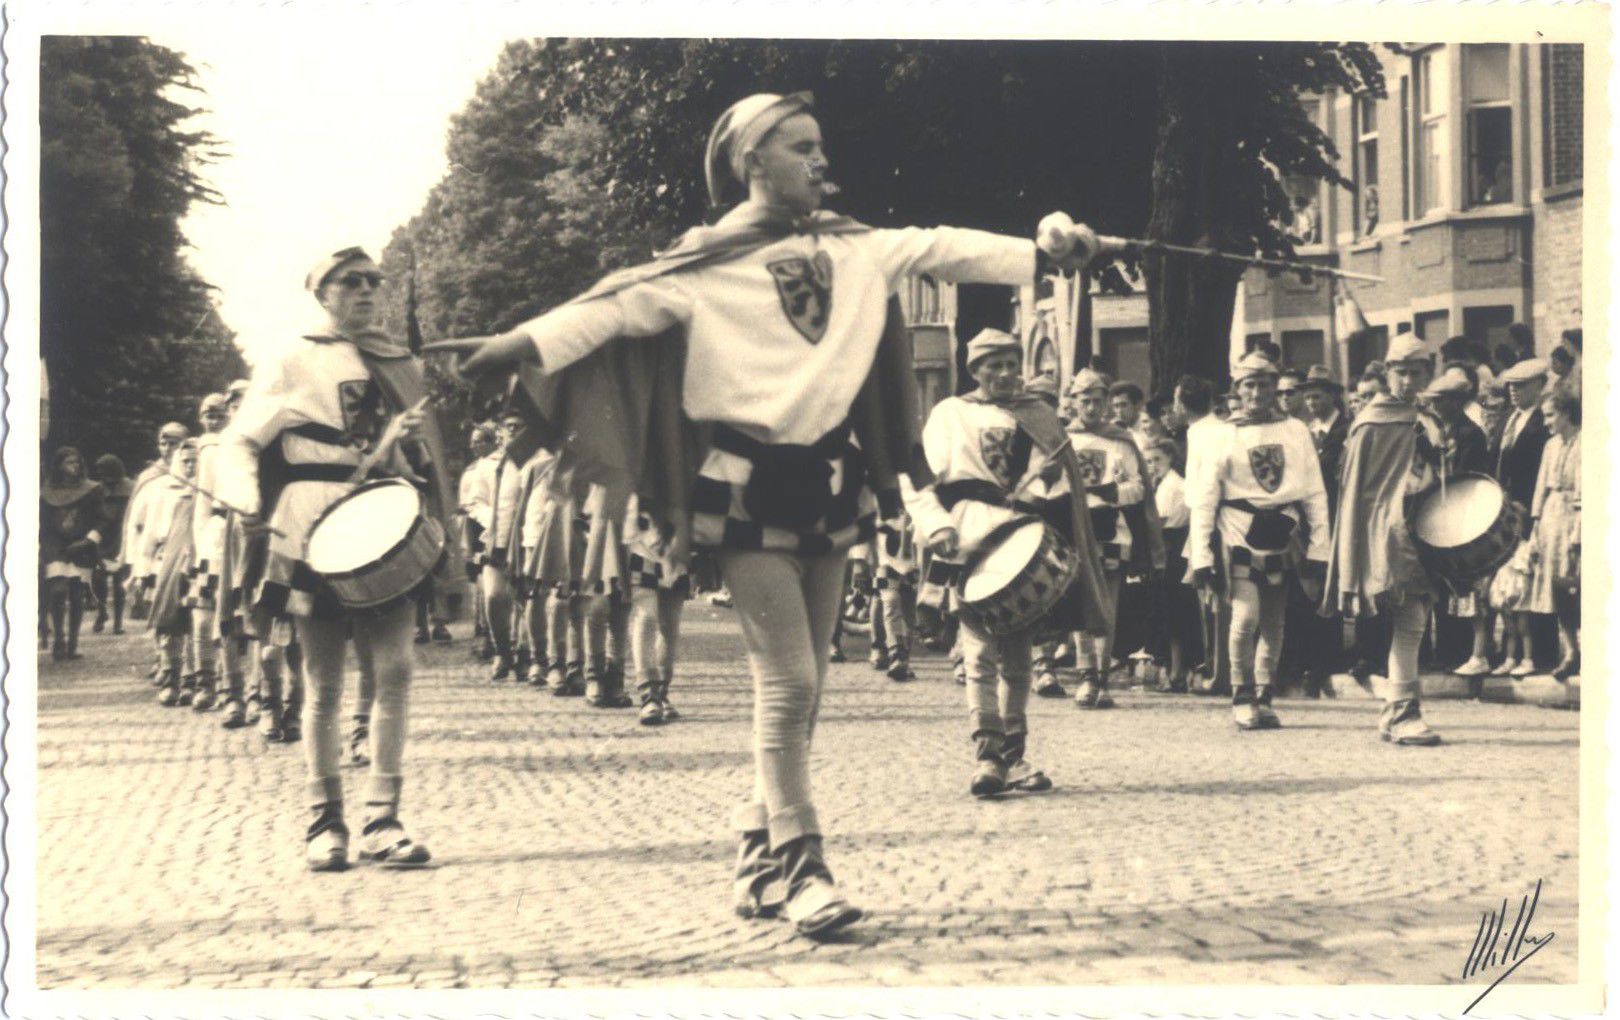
1394	450
986	449
300	432
1258	497
784	308
1123	520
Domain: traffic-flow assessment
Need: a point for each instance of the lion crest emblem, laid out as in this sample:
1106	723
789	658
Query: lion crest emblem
805	287
1268	463
996	446
1092	465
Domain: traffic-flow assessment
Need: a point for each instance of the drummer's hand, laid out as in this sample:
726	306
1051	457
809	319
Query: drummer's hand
944	542
476	355
410	424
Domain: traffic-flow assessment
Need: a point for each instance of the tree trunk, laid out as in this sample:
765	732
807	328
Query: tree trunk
1190	300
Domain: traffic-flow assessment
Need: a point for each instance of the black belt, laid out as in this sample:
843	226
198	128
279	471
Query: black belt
317	473
1250	508
321	434
829	447
980	491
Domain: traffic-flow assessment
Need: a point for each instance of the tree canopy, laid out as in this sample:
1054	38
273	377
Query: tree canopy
582	155
129	332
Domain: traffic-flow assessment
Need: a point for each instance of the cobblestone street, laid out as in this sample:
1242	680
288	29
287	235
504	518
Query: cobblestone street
576	848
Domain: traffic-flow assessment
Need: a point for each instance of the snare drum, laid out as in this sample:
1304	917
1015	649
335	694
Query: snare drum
1021	570
375	544
1466	529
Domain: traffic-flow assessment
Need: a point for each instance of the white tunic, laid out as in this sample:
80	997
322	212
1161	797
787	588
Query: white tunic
780	340
967	440
1270	465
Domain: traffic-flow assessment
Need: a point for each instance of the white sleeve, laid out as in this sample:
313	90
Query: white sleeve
256	423
953	254
1203	496
569	332
928	514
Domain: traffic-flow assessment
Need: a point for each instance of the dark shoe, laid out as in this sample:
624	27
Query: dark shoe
1046	686
836	655
502	670
235	714
758	889
421	636
99	625
441	634
814	903
1021	775
1088	693
536	676
326	843
207	695
989	770
879	658
169	689
270	723
1568	668
292	728
188	689
652	710
572	686
900	671
384	842
1401	723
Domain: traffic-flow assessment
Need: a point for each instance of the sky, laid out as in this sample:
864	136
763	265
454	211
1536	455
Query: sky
335	138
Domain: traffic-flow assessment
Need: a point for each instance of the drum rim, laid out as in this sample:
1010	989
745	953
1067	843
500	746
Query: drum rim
410	533
421	522
987	546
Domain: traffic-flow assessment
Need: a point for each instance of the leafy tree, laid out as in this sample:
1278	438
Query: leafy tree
129	332
1230	129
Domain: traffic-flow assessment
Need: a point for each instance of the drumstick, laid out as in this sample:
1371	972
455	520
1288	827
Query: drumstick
202	491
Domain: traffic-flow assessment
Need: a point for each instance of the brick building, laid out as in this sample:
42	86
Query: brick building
1467	201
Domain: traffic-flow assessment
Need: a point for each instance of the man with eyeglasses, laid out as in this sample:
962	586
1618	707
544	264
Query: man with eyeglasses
1290	401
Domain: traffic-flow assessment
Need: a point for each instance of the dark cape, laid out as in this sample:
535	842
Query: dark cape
615	417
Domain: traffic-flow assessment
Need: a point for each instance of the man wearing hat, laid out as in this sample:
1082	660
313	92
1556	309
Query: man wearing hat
1395	451
1258	498
1518	464
290	453
987	448
1311	639
1123	520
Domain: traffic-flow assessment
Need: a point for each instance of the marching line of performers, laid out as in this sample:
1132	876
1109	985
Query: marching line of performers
747	396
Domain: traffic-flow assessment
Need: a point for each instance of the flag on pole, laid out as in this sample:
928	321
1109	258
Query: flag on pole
1347	317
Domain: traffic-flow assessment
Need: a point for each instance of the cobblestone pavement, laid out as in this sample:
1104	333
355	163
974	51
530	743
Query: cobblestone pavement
577	848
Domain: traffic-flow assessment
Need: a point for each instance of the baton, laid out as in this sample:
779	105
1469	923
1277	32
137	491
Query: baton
193	486
1119	245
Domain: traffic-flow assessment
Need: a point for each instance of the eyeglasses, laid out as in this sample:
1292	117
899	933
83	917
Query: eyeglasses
353	280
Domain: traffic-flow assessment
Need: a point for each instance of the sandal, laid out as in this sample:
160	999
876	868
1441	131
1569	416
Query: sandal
385	844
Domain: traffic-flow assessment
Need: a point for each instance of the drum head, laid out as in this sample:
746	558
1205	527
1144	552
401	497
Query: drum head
362	526
998	567
1467	509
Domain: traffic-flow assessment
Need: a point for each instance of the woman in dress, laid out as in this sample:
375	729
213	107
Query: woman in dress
782	308
1555	584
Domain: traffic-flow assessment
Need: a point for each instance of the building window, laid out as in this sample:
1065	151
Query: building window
1306	225
1563	85
1432	327
925	306
1364	121
1490	124
1367	347
1046	358
1432	97
1488	324
1301	348
1125	354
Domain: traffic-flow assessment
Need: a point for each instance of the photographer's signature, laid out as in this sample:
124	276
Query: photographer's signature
1493	949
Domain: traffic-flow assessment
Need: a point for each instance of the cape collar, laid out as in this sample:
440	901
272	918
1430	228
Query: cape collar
373	342
66	495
